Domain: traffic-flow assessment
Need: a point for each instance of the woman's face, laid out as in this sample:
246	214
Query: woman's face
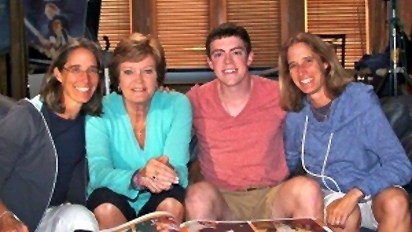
138	80
79	77
306	69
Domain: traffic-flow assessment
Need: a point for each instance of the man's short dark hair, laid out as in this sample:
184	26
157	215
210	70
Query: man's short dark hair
225	30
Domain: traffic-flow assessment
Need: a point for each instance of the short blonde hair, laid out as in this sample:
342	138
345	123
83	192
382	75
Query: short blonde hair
291	97
135	48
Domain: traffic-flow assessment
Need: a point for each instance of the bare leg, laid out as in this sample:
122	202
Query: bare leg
204	201
174	207
391	210
298	197
108	216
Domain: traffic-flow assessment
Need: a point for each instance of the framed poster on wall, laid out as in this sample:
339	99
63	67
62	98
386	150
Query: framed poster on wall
52	23
5	27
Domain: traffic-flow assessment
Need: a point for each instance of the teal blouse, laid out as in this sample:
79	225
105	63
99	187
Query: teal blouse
113	152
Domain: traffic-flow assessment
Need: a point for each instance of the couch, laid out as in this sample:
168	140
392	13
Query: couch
397	109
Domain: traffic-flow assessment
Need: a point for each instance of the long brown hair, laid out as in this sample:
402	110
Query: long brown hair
291	97
52	91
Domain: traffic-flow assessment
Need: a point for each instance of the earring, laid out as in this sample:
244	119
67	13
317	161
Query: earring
119	89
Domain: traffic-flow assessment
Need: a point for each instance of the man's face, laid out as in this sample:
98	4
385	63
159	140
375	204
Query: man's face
50	12
57	26
229	60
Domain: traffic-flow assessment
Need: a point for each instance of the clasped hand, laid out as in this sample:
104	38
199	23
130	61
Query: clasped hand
338	212
158	175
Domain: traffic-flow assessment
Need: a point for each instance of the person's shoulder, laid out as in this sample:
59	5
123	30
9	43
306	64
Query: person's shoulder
171	104
356	101
358	88
112	101
265	80
171	97
356	92
265	83
201	90
294	115
111	105
23	114
27	107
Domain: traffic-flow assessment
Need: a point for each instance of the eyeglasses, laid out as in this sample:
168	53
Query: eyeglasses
76	70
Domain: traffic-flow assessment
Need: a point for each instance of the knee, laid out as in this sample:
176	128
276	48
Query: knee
198	194
105	209
394	202
170	204
305	188
78	216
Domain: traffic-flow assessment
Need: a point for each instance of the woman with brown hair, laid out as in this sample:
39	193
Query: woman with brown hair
138	149
338	132
42	146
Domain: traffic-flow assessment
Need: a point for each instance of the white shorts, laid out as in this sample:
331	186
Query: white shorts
68	218
368	220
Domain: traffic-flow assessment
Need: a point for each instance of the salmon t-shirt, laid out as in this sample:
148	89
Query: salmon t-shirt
244	151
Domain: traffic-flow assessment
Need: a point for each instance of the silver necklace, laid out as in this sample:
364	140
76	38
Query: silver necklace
141	131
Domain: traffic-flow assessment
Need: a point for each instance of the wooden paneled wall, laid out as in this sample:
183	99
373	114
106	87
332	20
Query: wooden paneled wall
3	75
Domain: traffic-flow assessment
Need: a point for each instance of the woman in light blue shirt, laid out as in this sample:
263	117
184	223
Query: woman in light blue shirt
138	149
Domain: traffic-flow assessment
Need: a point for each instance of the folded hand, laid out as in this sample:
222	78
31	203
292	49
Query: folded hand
158	175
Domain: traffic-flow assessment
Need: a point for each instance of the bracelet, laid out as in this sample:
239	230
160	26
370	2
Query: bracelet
5	213
135	181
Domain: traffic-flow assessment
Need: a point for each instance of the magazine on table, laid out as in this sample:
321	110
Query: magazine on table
163	221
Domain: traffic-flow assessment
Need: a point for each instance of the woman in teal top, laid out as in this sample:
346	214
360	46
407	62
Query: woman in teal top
138	149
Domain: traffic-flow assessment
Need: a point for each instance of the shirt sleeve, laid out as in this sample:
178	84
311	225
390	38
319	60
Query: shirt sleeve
292	147
178	139
395	167
101	169
15	136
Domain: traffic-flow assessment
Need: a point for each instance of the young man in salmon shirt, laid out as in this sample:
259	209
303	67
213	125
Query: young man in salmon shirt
238	121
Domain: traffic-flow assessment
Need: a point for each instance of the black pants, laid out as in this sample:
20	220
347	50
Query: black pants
106	195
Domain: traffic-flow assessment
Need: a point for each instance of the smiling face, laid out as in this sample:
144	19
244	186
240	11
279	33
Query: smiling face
79	78
307	70
138	80
229	60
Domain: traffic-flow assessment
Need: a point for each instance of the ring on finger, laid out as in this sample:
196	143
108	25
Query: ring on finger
155	176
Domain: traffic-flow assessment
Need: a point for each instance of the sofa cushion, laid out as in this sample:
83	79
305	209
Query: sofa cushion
398	110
